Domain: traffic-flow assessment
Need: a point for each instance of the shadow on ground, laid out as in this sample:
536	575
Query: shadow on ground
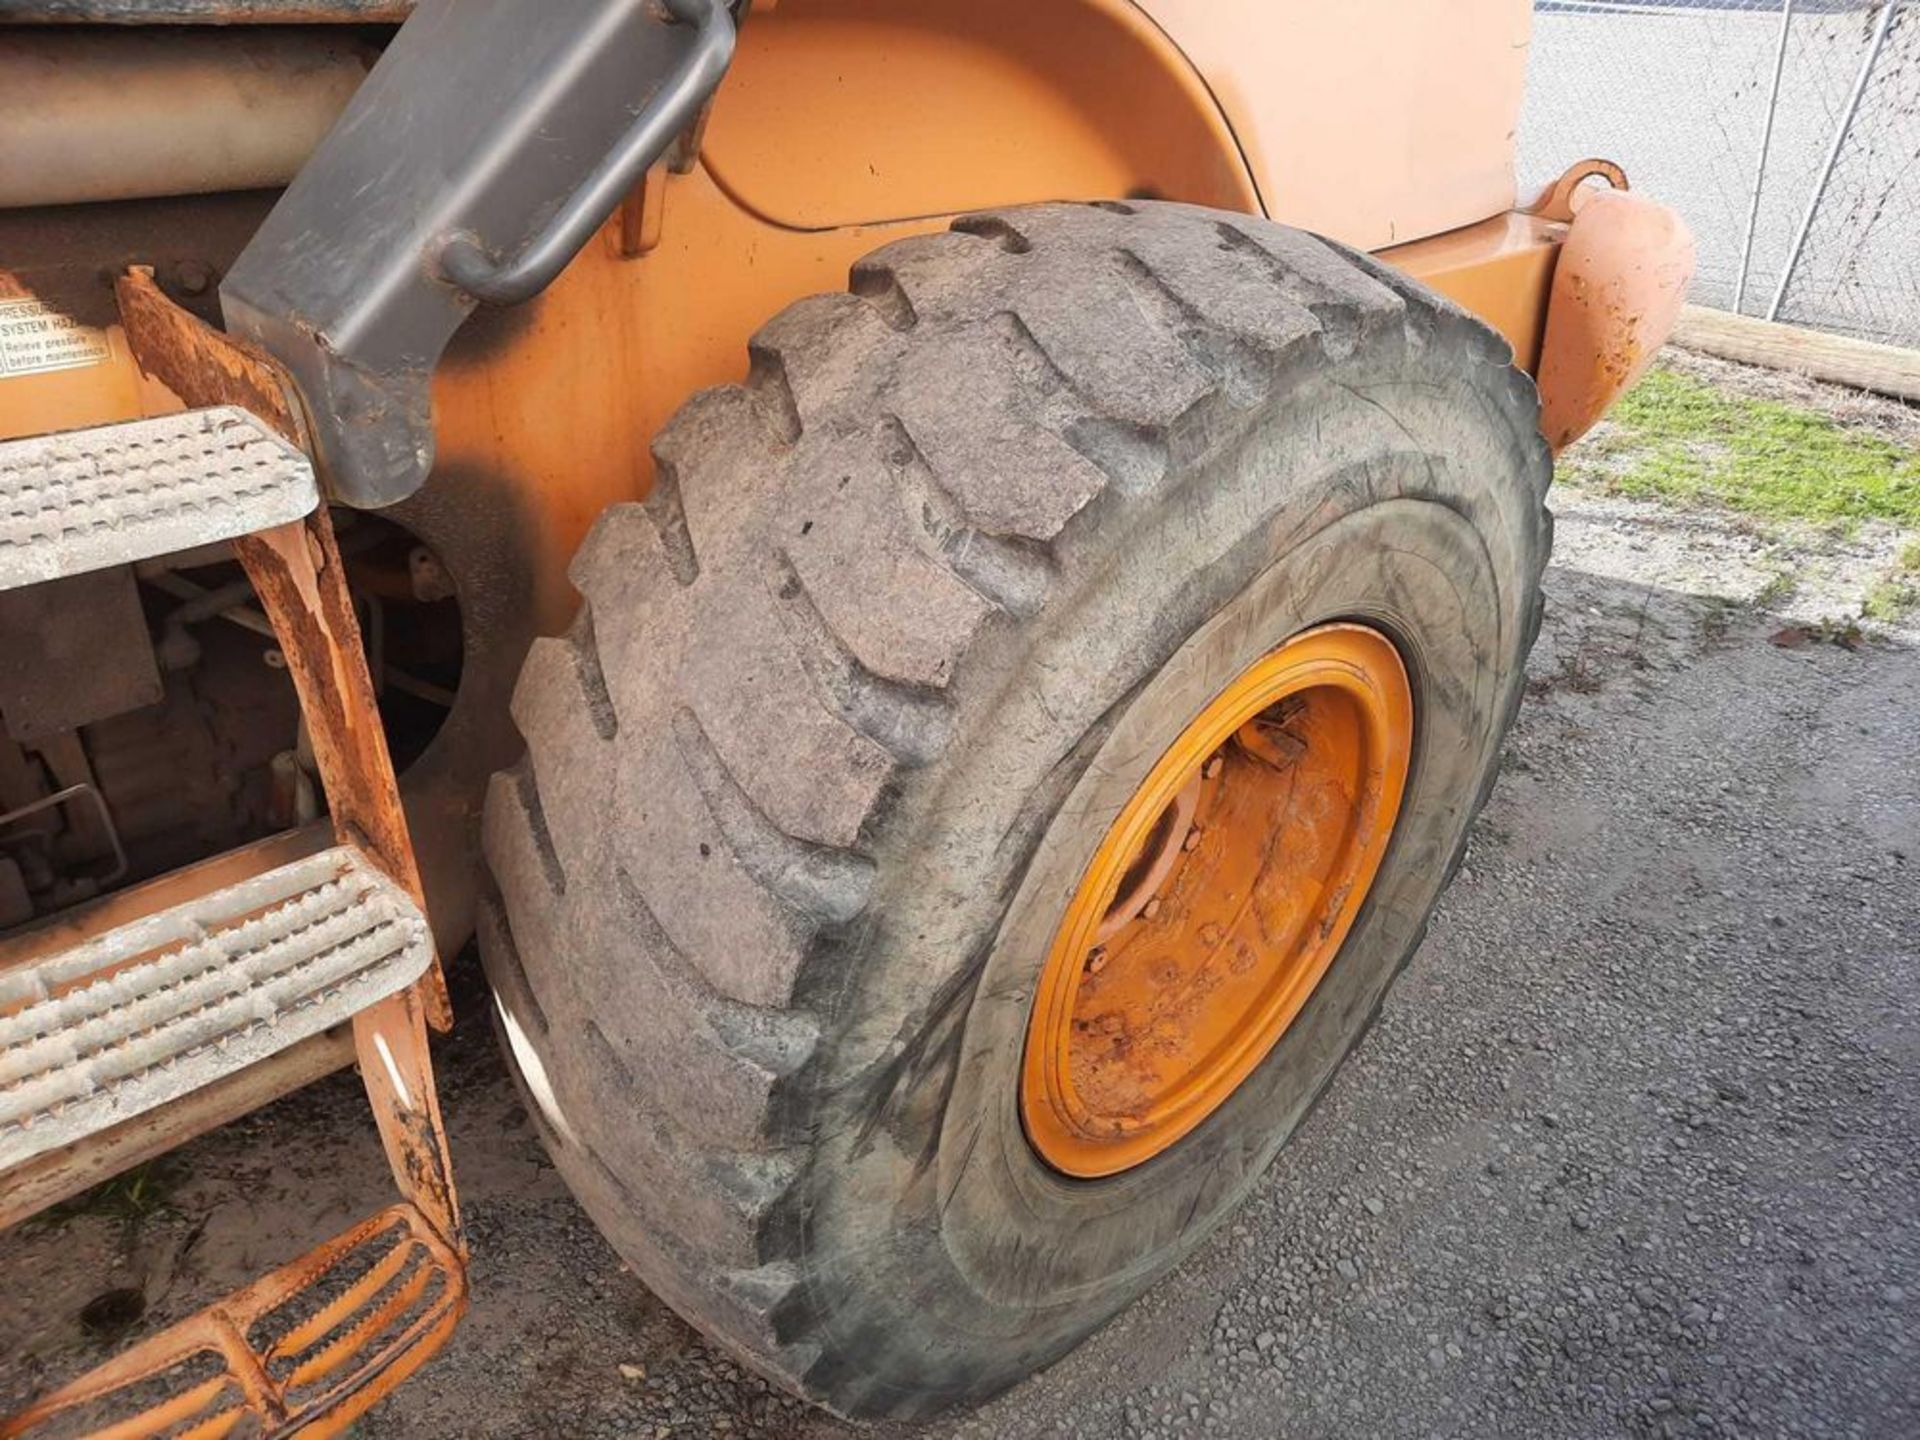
1633	1149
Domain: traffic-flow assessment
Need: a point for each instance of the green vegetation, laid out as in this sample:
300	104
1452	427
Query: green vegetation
1779	589
1681	440
1896	594
131	1198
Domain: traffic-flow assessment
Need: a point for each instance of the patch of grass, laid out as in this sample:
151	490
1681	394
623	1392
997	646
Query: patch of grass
1678	439
1891	598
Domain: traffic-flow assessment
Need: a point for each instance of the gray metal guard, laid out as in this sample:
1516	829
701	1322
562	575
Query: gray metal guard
485	148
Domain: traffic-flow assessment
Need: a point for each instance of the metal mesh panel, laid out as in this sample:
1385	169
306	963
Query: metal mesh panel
1683	93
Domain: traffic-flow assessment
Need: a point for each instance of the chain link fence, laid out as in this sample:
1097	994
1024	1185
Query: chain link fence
1787	132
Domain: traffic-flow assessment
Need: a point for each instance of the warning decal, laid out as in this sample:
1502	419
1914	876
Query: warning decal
34	338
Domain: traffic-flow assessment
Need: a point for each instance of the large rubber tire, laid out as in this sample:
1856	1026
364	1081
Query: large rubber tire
854	695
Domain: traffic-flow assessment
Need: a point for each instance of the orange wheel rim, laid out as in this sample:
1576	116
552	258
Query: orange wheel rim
1217	900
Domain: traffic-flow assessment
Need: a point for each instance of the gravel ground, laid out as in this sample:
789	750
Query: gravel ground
1634	1149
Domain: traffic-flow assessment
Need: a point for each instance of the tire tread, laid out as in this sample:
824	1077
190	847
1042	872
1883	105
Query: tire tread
725	726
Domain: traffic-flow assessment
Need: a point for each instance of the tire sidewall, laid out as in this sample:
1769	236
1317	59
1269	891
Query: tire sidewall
1005	1205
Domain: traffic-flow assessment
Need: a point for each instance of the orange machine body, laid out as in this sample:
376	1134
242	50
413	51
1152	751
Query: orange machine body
846	123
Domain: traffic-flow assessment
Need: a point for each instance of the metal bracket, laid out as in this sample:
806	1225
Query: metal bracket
1564	196
485	148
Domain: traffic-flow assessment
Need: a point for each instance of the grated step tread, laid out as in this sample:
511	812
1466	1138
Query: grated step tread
173	1001
81	500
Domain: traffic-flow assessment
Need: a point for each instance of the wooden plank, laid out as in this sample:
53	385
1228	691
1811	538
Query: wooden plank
1839	359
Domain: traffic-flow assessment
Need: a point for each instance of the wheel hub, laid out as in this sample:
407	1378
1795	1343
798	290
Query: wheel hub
1217	900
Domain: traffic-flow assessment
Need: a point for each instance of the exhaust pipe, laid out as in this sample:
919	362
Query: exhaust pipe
139	113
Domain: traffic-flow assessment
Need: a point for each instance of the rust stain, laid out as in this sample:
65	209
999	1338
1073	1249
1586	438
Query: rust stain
201	365
297	573
1616	296
1205	963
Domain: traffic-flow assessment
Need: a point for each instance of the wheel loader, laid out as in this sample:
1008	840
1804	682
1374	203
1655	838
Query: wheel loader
935	583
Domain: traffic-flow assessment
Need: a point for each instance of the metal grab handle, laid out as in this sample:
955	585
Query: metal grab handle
464	260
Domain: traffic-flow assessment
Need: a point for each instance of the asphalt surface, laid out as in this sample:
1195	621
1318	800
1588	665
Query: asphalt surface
1634	1148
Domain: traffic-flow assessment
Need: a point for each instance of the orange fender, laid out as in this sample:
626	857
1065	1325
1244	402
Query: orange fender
1617	292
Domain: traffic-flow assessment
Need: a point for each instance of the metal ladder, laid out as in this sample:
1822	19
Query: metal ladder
528	125
97	1032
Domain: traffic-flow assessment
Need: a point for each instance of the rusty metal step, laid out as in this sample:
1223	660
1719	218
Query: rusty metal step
165	1004
317	1340
96	1030
82	500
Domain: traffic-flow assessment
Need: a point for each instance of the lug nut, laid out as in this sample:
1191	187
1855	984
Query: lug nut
1097	961
1152	908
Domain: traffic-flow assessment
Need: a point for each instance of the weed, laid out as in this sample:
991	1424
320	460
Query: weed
1895	595
1891	598
1576	672
1715	619
131	1198
1777	590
